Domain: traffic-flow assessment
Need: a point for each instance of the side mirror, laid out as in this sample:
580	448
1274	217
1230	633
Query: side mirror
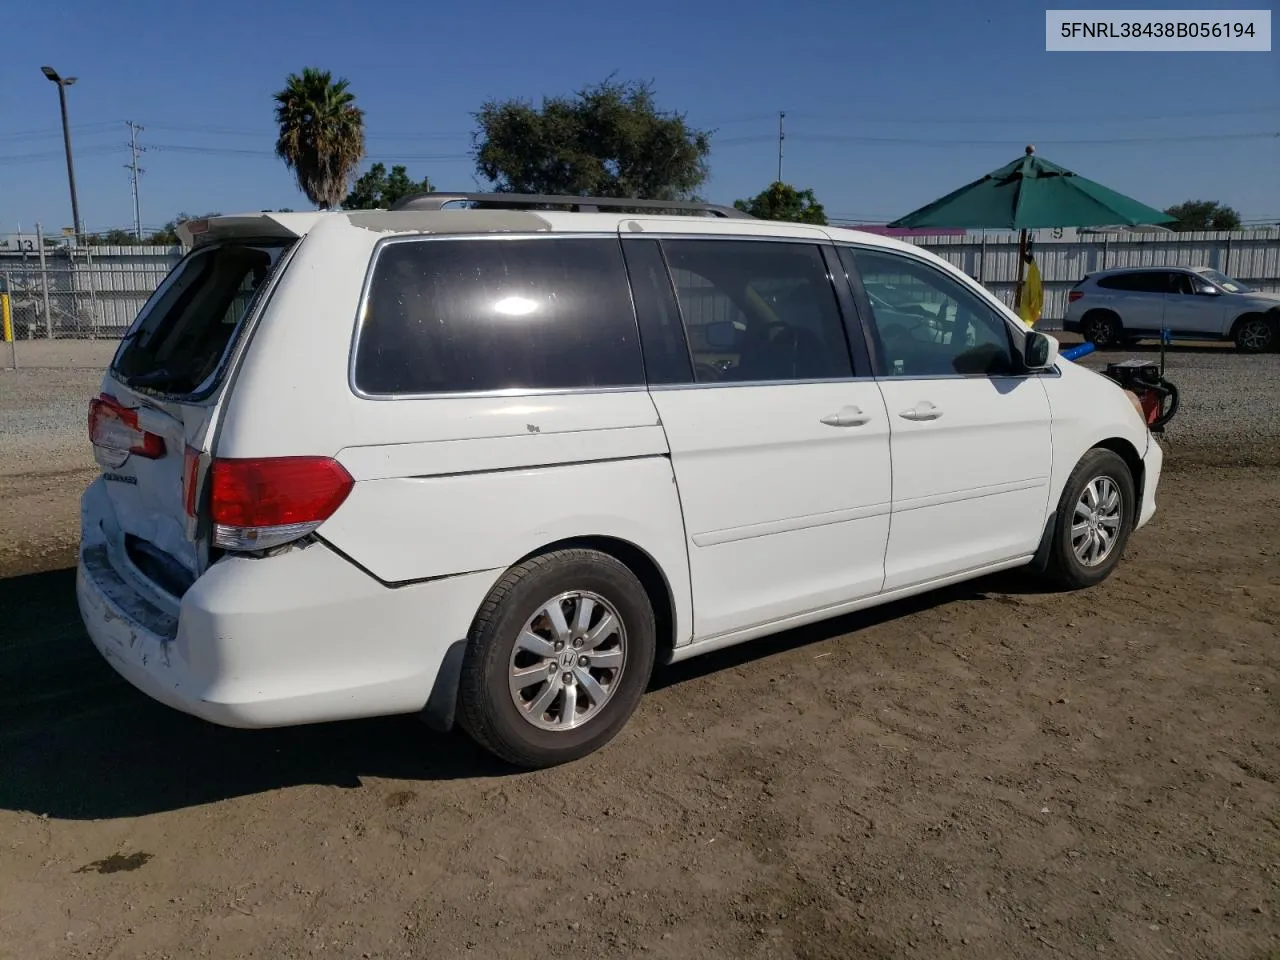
1206	290
1040	351
721	335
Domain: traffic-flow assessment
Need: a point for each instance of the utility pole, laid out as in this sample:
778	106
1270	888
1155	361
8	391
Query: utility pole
782	115
134	172
63	82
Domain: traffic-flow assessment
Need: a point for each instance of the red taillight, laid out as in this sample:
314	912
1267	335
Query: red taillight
114	428
276	492
1074	295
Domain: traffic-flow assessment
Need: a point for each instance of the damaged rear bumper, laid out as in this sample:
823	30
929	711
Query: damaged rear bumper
301	637
133	636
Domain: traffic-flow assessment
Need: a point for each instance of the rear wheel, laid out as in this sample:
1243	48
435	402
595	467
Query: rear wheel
1255	334
1095	517
558	658
1101	328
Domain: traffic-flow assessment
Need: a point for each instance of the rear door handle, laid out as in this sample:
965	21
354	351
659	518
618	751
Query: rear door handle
924	410
846	417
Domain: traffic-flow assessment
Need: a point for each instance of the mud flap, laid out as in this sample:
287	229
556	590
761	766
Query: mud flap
1040	562
442	705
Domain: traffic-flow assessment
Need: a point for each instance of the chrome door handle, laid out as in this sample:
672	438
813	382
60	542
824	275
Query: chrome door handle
921	411
846	417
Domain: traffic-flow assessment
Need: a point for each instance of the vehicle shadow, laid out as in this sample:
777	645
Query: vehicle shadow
1009	583
77	742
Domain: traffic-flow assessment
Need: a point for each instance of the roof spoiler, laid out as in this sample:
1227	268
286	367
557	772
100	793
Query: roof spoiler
253	226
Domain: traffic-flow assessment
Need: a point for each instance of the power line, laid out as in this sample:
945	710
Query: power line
55	133
941	142
268	134
389	156
270	154
90	151
384	136
1005	118
216	151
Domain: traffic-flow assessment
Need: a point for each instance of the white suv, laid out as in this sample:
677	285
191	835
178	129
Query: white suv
1187	303
491	463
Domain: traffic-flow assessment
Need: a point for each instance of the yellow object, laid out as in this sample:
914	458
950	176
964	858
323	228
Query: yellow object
1032	304
7	317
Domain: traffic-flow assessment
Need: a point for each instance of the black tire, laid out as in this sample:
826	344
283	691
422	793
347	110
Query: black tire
488	711
1255	334
1101	328
1065	570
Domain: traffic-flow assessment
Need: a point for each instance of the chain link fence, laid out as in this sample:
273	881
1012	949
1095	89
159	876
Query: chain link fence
82	298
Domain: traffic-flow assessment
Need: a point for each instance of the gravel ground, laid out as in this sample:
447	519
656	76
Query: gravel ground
45	460
1230	403
36	354
990	771
42	417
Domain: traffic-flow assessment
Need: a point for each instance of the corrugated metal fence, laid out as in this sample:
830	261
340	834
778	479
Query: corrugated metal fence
97	291
90	292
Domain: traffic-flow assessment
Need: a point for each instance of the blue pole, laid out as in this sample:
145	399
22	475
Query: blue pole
1075	353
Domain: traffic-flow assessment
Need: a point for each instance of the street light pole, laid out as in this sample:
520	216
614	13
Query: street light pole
63	83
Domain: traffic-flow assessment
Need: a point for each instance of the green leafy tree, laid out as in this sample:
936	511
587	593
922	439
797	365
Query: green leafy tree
378	190
321	134
167	235
114	237
781	201
608	140
1203	215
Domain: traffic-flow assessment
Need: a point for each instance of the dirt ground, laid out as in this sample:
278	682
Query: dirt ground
987	772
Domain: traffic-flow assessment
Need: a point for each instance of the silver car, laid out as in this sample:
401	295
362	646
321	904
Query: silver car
1129	304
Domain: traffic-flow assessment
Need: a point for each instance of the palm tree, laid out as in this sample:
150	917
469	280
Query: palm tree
321	135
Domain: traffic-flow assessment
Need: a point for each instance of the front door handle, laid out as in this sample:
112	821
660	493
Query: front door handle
846	417
924	410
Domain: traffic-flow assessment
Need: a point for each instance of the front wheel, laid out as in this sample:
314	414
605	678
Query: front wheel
1095	517
1255	335
557	658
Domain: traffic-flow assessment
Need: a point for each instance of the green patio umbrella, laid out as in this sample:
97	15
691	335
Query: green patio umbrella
1029	193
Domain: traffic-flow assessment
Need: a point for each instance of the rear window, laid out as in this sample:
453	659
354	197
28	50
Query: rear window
181	337
484	315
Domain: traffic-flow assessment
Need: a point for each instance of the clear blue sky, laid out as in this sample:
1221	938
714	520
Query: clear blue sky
200	78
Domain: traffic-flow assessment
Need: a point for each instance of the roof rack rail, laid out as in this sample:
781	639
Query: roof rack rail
438	201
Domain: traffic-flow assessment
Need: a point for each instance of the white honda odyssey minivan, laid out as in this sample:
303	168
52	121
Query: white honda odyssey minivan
488	464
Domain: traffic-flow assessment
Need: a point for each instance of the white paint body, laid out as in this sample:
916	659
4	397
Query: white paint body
757	514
